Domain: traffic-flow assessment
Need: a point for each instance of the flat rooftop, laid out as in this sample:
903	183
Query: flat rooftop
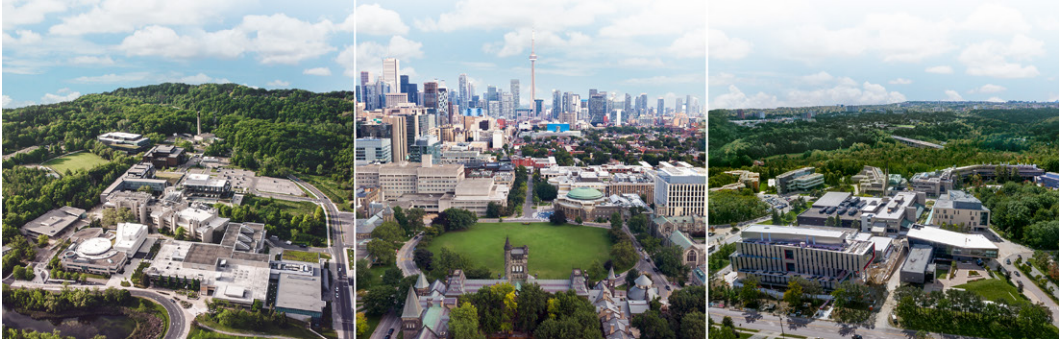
54	221
299	292
918	260
235	282
950	238
783	233
831	199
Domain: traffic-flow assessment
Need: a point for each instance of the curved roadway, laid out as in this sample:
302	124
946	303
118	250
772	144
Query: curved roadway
176	315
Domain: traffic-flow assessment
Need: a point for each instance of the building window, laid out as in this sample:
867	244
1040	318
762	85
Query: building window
789	254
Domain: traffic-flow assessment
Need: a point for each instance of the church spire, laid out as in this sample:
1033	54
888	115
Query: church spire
507	244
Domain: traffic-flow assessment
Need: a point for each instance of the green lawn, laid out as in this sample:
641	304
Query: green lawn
554	250
300	256
74	162
293	207
994	290
202	333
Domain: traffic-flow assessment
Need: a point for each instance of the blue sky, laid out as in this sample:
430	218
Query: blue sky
57	50
807	53
624	46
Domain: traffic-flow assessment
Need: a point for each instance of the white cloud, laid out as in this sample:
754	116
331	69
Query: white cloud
25	37
737	99
843	91
721	79
201	79
278	83
694	45
116	16
819	77
666	17
896	37
996	18
411	72
555	15
63	95
112	78
519	42
370	54
991	58
375	20
346	58
666	80
900	81
92	60
321	71
6	101
988	88
952	95
995	99
722	47
31	12
939	70
642	62
276	39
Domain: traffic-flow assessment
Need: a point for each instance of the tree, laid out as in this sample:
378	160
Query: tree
749	291
624	255
669	261
179	234
388	231
392	276
463	322
113	216
415	223
546	191
400	217
693	325
256	306
578	220
363	275
423	258
631	277
383	251
652	325
558	217
362	324
42	240
616	221
532	307
494	210
596	271
793	296
638	223
379	299
459	219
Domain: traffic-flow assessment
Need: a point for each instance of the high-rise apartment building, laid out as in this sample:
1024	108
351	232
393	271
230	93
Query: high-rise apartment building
597	106
430	96
463	95
515	93
398	140
662	107
556	103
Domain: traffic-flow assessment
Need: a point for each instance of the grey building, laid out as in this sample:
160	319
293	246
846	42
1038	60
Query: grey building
785	181
371	150
917	266
427	144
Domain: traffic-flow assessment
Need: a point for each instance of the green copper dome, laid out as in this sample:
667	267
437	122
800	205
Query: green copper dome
584	193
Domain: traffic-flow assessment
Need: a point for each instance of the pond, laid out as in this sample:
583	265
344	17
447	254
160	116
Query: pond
84	327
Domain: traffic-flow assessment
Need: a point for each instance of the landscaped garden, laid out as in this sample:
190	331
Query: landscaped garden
74	162
995	290
554	250
301	256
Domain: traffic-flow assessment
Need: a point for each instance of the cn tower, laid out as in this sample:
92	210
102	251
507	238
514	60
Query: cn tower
533	86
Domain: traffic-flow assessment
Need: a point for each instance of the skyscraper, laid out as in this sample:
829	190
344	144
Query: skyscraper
404	88
430	97
597	106
677	106
555	105
515	93
533	84
390	72
365	77
463	95
661	108
443	104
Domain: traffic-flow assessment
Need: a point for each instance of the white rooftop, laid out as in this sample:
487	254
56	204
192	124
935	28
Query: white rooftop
94	247
956	239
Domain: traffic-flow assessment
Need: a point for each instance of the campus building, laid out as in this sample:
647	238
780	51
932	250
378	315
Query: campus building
373	150
918	267
396	179
871	180
876	215
130	142
139	175
680	191
135	201
1049	179
951	244
54	222
939	182
744	179
92	252
798	180
203	185
590	204
962	209
775	254
474	195
162	156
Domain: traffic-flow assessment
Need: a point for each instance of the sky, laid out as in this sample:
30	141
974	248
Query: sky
625	46
57	50
810	53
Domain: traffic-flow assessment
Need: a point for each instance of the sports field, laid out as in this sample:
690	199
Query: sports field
554	250
73	162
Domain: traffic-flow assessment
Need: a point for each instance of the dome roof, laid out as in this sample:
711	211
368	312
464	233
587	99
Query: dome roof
643	281
584	193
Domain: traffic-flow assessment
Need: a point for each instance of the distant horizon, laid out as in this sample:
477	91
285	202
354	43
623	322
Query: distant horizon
893	103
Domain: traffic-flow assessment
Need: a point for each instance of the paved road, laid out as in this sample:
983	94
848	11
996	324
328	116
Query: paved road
389	320
405	257
528	205
342	308
810	327
176	315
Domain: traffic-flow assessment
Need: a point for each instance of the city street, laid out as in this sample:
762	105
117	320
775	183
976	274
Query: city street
770	323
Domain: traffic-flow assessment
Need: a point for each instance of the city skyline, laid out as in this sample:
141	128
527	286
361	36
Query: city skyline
830	53
612	51
58	53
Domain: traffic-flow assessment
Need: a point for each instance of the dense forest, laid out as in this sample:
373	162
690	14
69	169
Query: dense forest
1024	212
273	131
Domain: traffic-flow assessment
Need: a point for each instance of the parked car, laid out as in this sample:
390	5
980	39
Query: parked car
667	287
391	331
1016	272
856	336
1008	261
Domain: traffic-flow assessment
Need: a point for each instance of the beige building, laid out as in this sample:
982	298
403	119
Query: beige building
680	191
961	209
396	179
475	195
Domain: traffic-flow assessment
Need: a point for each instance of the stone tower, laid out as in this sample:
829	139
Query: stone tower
515	260
410	316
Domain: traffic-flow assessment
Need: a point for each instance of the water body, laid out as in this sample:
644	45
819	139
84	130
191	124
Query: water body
84	327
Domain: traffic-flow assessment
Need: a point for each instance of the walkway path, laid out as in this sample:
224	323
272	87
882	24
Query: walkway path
237	334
